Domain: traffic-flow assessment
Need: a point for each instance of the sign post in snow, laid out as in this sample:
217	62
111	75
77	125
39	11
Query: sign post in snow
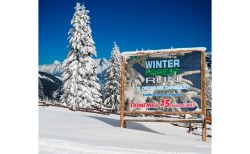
161	82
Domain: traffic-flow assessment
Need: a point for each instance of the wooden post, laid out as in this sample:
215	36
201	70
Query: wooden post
204	131
203	90
122	121
190	127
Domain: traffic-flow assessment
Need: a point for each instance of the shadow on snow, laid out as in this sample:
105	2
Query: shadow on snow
130	125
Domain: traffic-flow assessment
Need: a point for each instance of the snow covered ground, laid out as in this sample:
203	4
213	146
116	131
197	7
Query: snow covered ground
62	131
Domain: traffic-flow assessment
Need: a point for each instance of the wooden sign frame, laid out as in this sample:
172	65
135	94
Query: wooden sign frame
123	113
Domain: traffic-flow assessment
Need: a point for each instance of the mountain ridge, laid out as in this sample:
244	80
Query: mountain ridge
56	68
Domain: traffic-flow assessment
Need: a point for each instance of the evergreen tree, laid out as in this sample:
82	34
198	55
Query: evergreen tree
80	87
57	94
40	90
209	89
113	78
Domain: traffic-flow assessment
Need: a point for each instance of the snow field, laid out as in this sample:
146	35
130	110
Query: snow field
62	131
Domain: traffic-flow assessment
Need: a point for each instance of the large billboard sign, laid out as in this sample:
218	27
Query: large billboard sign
166	81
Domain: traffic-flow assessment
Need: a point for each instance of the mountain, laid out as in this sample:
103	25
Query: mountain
102	65
50	84
51	75
54	69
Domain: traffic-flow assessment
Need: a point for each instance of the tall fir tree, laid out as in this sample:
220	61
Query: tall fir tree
113	80
80	87
40	90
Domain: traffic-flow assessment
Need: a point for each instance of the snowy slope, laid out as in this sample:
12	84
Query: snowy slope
65	132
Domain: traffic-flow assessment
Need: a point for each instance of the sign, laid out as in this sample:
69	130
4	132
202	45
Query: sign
164	82
170	81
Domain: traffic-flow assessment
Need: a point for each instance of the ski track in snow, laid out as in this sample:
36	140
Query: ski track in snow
54	146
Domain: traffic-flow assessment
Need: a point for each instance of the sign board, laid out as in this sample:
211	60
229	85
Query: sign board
162	82
166	81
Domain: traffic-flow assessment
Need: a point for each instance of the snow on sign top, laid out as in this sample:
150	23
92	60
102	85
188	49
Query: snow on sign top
129	53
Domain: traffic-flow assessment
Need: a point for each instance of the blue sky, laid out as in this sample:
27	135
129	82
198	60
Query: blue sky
133	24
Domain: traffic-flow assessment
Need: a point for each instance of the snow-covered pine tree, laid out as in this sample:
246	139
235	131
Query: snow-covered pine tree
57	94
80	87
40	90
209	89
113	80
